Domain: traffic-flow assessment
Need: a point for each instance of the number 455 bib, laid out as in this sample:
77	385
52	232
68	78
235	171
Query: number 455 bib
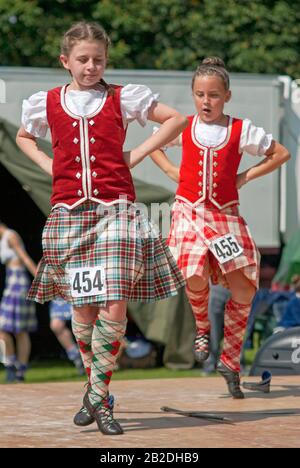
87	281
225	248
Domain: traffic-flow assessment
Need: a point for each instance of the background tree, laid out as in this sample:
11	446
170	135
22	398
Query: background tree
260	36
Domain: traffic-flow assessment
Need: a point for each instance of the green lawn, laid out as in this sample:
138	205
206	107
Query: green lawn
62	371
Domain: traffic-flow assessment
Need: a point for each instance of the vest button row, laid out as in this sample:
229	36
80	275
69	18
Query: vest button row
91	122
95	192
92	140
78	159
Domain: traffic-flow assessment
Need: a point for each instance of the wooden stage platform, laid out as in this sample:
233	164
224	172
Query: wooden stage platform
40	415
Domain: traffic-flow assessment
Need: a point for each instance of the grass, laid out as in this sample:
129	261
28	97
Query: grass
63	371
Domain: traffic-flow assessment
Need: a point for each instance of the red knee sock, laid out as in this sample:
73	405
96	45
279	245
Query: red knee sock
199	304
235	320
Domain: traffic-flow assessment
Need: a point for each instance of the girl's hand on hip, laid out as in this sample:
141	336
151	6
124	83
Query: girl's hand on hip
241	179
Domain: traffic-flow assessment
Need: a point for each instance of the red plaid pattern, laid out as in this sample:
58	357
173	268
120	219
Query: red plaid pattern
192	231
138	264
199	304
236	317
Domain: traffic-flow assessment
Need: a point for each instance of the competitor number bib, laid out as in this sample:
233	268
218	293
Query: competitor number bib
87	281
225	248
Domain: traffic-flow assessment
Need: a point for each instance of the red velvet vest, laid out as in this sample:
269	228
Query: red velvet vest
209	173
88	152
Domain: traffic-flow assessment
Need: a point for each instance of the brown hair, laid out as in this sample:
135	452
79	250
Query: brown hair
212	66
84	31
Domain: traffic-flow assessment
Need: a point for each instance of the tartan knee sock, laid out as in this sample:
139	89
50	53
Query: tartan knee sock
106	340
199	304
235	323
83	334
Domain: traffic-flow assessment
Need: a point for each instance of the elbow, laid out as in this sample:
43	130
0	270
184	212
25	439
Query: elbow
18	142
184	122
19	137
285	156
181	121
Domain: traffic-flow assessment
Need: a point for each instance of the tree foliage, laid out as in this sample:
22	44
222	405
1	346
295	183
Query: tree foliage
260	36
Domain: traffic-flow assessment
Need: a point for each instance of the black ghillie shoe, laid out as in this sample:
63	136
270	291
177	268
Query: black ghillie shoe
104	418
262	386
83	417
201	347
232	379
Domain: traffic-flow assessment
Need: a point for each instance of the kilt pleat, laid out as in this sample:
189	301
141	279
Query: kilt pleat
192	231
137	261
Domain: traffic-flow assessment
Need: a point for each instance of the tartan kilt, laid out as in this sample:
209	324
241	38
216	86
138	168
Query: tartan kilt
138	263
60	310
17	313
192	231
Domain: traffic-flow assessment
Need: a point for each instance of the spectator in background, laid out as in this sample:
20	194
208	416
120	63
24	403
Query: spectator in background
60	314
291	316
216	308
17	314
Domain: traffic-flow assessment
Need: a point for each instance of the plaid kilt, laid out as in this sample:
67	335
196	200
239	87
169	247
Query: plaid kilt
60	309
17	313
192	231
138	264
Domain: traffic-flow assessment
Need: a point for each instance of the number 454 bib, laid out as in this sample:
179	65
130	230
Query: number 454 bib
225	248
87	281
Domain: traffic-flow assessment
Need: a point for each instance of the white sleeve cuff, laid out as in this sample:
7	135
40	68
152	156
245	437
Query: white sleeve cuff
136	101
254	140
34	114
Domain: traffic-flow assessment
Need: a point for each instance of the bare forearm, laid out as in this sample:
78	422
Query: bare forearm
169	130
269	164
23	256
31	266
32	151
162	161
